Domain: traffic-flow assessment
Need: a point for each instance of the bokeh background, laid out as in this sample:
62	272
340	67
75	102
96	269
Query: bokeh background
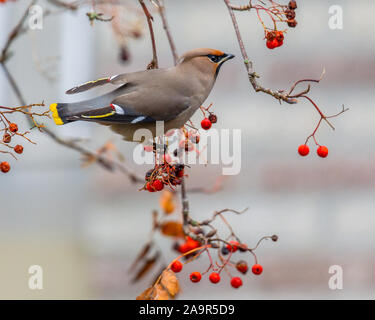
85	226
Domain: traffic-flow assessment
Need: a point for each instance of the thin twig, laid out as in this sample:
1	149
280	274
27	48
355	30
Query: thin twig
161	7
154	63
13	35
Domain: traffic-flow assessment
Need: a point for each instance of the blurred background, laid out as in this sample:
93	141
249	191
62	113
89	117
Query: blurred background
85	226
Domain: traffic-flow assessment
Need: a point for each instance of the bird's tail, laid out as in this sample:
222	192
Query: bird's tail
59	113
63	113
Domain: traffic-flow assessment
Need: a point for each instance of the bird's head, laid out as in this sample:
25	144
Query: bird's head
207	60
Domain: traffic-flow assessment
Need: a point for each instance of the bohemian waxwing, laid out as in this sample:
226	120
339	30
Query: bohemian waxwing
171	95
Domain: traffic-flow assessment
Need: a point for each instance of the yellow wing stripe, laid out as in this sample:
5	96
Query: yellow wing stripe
93	81
55	114
100	115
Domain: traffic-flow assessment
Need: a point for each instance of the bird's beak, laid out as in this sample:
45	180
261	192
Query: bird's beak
227	56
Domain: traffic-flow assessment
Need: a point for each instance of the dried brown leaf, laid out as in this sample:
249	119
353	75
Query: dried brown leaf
157	292
160	293
172	229
170	282
167	202
146	295
147	266
141	255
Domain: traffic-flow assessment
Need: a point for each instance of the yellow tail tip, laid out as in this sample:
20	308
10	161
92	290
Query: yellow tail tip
55	114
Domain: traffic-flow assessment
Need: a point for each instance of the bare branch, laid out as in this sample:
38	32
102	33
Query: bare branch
161	8
154	63
279	95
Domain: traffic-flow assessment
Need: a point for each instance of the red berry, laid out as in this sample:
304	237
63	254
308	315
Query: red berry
149	187
303	150
233	246
212	118
272	44
242	267
13	127
280	36
183	248
192	244
236	282
292	23
18	149
206	124
214	277
158	185
180	173
7	138
195	276
269	44
322	151
280	43
4	166
292	5
257	269
176	266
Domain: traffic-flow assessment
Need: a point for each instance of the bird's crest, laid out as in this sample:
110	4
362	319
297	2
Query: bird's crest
200	52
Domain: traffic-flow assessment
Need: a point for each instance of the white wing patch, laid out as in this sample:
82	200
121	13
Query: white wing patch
118	109
138	119
113	77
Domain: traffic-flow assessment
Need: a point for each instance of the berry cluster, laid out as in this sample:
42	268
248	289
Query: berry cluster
200	238
191	245
192	249
274	39
278	13
290	14
164	174
169	171
207	122
10	131
304	150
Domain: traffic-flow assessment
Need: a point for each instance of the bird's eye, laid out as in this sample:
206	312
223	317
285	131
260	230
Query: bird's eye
213	58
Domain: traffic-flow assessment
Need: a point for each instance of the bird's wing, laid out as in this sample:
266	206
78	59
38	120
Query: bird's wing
153	102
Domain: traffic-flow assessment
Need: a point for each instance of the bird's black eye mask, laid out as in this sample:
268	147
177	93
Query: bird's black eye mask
214	59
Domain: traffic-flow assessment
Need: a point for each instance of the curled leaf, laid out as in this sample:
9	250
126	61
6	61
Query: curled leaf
167	202
172	229
141	255
170	282
157	292
160	293
146	295
147	266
